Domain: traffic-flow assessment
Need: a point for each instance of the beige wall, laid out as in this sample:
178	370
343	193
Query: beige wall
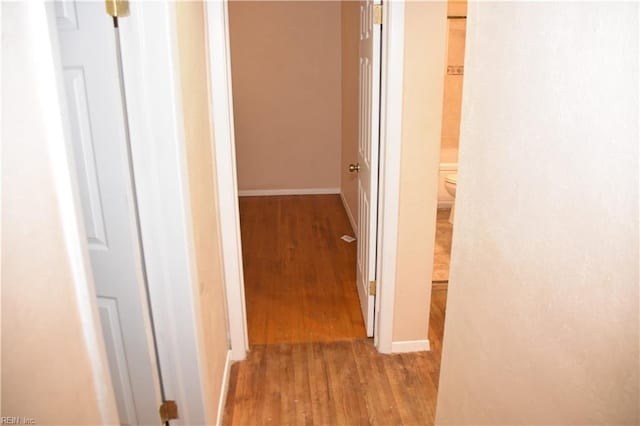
542	316
350	83
425	41
46	368
204	208
285	59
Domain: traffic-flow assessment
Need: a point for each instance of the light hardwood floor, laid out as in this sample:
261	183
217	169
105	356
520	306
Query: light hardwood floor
299	275
310	362
337	383
442	248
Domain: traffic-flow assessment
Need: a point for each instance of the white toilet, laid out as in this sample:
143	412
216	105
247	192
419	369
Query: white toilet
450	182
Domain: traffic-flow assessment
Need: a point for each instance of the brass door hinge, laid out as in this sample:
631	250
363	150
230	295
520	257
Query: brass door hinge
372	288
117	8
168	411
377	14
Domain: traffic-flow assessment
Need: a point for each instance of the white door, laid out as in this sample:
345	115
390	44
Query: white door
367	167
99	135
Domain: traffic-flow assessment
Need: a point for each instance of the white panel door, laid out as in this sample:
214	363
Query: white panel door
99	136
368	142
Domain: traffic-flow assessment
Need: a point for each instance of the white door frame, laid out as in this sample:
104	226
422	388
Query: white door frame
392	74
389	178
217	26
152	86
154	106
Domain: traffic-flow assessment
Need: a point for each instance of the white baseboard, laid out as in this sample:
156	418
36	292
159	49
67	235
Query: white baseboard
410	346
354	225
224	388
300	191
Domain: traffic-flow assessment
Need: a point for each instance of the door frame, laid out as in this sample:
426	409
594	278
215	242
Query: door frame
154	108
151	69
392	63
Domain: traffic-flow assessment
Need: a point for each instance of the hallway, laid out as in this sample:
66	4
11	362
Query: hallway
299	275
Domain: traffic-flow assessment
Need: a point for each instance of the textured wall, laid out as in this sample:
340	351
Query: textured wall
285	60
202	189
542	316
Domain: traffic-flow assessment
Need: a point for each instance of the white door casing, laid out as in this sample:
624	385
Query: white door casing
99	137
368	157
391	88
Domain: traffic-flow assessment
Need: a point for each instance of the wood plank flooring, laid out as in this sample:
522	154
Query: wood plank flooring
345	382
299	275
310	362
442	248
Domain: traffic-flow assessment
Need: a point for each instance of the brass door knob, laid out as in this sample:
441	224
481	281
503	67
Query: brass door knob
354	167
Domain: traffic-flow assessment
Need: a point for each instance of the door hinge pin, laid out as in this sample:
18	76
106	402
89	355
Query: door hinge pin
168	411
377	14
372	288
117	8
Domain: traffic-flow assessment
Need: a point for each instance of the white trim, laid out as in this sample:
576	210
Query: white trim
51	86
154	104
410	346
217	23
389	189
224	389
354	225
301	191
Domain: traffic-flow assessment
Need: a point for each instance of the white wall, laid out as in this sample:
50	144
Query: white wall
542	316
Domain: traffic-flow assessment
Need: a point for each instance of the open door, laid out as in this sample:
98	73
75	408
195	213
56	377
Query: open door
95	108
368	156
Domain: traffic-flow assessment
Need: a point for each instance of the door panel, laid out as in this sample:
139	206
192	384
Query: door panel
66	15
99	138
368	142
114	343
76	88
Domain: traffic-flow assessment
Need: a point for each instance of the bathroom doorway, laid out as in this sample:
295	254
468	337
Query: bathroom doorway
448	172
453	75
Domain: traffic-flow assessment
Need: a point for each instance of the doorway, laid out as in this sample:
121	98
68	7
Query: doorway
296	69
448	171
391	86
451	114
